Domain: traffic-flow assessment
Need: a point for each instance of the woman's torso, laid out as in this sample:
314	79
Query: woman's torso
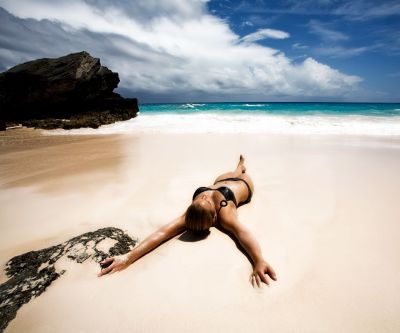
236	191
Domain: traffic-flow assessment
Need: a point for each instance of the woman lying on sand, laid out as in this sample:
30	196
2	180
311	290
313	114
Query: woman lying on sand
212	206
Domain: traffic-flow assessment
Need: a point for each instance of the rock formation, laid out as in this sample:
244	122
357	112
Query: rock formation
32	272
68	92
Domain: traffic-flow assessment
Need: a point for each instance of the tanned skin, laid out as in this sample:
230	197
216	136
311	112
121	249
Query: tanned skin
225	218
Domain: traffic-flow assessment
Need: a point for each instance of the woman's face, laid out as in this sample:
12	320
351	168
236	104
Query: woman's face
207	203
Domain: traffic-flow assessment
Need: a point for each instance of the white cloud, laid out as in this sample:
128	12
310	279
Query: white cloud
265	33
299	46
395	74
246	23
177	47
353	10
343	52
326	33
367	10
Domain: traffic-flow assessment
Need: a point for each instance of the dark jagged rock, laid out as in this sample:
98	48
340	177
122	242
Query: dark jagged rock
32	272
68	92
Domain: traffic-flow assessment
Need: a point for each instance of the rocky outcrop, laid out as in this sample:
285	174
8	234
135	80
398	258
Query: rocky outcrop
32	272
68	92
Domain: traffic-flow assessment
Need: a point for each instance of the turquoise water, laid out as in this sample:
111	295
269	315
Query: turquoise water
288	109
372	119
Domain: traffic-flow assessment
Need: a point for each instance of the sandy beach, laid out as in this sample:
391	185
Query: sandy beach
325	211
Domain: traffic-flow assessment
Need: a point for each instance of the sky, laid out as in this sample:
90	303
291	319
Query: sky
225	50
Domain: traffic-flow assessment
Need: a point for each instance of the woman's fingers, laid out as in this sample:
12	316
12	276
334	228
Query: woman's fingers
255	280
108	265
270	271
252	279
258	281
106	261
259	277
106	270
264	278
112	265
105	265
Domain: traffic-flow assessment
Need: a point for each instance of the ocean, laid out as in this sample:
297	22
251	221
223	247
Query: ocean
377	119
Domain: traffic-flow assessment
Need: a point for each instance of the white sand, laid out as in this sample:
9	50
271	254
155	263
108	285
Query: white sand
325	212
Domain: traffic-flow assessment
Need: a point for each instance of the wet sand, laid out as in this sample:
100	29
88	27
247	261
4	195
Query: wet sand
325	211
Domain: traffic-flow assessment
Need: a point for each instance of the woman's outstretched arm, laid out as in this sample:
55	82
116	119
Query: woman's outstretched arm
163	234
261	269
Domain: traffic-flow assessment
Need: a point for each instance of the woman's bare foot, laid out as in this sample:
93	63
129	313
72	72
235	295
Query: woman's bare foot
241	164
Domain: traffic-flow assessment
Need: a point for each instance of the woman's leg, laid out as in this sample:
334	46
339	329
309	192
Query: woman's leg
239	172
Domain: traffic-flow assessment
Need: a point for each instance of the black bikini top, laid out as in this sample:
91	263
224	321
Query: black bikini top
225	191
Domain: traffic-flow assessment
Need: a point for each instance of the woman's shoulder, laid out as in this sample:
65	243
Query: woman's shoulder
227	214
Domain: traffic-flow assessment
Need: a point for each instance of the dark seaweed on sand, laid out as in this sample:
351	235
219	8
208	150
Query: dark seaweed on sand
32	272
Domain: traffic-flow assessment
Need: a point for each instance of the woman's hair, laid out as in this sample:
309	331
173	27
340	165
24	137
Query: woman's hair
198	219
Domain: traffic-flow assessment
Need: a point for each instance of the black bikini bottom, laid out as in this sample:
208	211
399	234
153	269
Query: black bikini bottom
248	188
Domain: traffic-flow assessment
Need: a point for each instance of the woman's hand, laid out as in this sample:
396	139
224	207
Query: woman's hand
114	264
262	270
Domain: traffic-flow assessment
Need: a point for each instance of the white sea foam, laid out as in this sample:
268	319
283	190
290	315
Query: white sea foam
248	123
255	105
187	106
191	105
